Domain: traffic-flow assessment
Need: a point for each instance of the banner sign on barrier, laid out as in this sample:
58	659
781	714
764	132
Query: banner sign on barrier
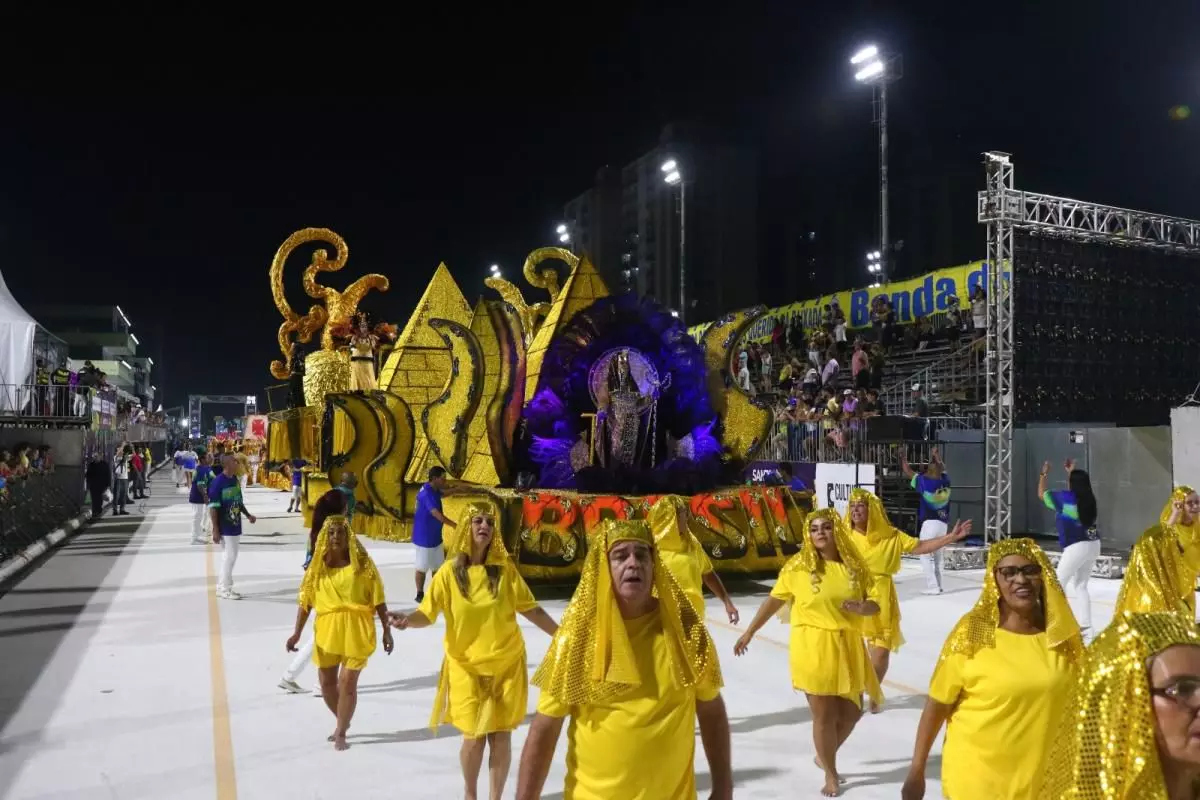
833	483
760	472
917	297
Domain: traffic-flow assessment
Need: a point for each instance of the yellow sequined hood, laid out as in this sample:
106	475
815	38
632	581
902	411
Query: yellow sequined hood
1106	747
664	524
360	560
977	628
591	659
810	561
497	554
879	527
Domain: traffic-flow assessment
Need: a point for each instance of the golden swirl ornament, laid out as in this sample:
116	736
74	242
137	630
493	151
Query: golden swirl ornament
546	277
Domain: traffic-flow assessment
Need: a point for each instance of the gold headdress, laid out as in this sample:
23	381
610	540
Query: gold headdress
809	560
1106	745
360	560
977	628
1180	495
879	527
497	554
664	523
591	659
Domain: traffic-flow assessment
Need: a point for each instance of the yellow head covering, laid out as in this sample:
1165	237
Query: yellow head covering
977	628
810	561
1106	746
879	527
497	554
664	524
1181	494
360	560
591	659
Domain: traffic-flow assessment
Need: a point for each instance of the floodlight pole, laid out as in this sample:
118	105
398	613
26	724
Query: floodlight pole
884	247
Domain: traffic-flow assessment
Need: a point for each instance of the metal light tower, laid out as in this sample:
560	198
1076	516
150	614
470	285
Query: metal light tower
878	70
673	177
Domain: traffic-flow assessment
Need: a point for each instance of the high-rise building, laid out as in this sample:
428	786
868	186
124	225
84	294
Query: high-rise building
104	336
713	209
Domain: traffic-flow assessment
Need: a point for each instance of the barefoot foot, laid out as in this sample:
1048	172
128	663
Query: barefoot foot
339	742
820	766
832	787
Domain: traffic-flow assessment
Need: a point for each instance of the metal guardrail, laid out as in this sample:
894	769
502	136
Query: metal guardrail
55	403
846	443
955	380
30	508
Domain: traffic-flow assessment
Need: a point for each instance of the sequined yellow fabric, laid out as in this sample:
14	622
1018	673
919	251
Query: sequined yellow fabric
810	561
360	560
664	524
1180	495
879	527
590	658
977	628
497	554
1106	748
1156	578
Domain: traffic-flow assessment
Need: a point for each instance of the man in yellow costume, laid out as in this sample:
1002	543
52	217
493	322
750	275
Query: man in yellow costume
634	667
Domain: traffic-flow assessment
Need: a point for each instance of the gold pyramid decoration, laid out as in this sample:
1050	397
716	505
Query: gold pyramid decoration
418	368
583	287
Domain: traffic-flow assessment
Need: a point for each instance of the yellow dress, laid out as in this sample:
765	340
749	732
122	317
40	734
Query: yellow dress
484	684
689	569
826	650
1008	702
641	745
345	627
362	365
883	559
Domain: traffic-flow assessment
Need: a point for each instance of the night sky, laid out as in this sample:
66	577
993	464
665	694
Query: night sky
162	173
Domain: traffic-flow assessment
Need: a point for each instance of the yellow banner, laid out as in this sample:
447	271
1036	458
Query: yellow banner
928	294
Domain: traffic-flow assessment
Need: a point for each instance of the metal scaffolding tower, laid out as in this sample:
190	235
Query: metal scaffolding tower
196	403
1004	209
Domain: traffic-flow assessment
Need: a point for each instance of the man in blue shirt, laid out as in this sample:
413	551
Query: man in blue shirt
199	498
428	520
933	486
297	465
790	480
225	505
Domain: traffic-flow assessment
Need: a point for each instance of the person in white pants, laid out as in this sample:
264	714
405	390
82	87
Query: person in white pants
201	519
1078	536
225	504
933	485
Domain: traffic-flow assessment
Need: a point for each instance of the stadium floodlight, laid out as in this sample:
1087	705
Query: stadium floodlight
865	54
872	70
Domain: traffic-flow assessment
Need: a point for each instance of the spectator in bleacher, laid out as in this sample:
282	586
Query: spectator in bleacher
860	366
743	376
920	406
787	377
764	362
878	359
795	334
6	469
829	373
979	310
827	319
870	407
777	336
839	325
817	344
812	381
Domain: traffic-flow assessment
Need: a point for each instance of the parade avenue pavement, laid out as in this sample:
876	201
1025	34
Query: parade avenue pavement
124	677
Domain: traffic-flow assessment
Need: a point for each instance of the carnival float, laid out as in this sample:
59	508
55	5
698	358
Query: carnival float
567	411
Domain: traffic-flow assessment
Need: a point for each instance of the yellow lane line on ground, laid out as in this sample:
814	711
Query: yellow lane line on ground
223	764
758	637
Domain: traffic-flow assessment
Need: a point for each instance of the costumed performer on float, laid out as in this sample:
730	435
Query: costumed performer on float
1164	564
828	589
881	547
683	554
1128	730
1001	682
483	686
344	588
634	668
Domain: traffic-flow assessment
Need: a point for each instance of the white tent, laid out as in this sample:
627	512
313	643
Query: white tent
18	331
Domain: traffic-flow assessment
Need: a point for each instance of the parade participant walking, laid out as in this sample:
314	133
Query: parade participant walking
483	686
1125	734
178	468
226	506
343	587
683	554
829	589
881	547
1165	561
190	459
428	520
1078	537
121	468
296	502
337	501
634	667
1001	682
198	498
933	486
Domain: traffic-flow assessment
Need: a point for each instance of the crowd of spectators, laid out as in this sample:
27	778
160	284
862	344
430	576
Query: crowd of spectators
21	462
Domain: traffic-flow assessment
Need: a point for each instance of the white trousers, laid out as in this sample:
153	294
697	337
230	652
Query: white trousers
178	474
230	545
1074	569
201	522
932	564
303	659
243	479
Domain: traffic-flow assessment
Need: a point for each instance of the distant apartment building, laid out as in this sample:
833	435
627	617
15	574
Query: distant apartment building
104	336
631	223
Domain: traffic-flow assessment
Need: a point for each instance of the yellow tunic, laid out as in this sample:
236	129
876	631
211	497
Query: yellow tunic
689	569
1008	701
484	678
1162	570
640	746
345	606
362	365
883	559
826	649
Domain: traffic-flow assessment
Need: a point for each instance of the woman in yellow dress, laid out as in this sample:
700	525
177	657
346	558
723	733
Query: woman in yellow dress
1001	682
484	683
1165	561
830	590
881	546
343	586
682	553
362	357
1128	730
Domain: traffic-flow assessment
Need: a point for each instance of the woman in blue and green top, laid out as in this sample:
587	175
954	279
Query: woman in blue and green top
933	486
1075	517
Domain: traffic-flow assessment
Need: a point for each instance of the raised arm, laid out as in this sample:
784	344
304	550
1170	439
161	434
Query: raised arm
536	756
1042	481
960	531
904	465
